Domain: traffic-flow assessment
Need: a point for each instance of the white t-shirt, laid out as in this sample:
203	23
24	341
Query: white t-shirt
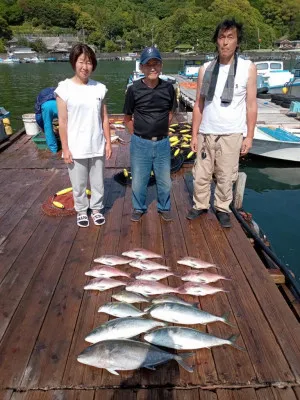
85	130
223	119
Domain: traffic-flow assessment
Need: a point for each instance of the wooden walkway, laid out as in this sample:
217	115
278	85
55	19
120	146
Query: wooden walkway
45	313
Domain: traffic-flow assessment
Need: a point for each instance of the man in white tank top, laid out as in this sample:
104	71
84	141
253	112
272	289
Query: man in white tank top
225	110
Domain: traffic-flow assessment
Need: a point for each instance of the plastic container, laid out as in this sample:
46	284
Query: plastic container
40	141
30	124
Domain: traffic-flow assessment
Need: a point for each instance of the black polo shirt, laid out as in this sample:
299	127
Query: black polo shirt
150	107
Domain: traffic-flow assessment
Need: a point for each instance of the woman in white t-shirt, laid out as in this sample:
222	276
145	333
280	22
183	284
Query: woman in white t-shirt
84	133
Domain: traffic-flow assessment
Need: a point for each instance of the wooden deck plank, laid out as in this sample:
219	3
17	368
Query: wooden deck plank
35	231
265	394
175	246
6	394
238	394
31	312
267	357
56	395
280	317
88	317
232	365
115	394
284	394
297	392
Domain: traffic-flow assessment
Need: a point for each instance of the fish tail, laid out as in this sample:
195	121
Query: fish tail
177	274
180	359
225	317
181	290
232	339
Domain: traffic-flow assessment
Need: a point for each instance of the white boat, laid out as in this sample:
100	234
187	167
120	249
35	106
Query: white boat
191	69
281	142
294	85
274	75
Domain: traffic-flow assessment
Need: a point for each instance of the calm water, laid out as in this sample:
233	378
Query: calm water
273	188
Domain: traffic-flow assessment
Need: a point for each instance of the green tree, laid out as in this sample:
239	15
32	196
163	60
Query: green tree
39	46
5	31
2	47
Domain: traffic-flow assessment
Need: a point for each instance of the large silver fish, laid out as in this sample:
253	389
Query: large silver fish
195	263
147	265
169	298
118	309
156	275
180	338
122	328
106	272
202	277
182	314
126	355
199	289
149	288
112	260
102	284
141	254
130	297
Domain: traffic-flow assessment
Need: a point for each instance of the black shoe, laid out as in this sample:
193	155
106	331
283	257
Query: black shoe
224	219
166	215
136	215
193	213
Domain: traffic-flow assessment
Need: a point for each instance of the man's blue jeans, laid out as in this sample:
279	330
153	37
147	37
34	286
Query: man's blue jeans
145	156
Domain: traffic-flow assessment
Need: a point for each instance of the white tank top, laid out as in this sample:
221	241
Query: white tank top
223	119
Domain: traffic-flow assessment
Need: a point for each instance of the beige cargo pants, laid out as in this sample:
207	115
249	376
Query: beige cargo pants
222	160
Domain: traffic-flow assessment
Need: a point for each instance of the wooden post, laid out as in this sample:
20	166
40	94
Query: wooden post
239	190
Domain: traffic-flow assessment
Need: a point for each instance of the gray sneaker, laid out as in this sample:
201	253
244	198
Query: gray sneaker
224	219
193	213
165	215
136	215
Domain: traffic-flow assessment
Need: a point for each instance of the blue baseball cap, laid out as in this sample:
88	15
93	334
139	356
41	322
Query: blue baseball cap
148	53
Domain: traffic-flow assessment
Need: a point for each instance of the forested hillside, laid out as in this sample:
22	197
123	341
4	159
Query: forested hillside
132	24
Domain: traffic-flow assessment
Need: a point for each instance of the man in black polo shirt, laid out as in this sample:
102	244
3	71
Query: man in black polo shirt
151	101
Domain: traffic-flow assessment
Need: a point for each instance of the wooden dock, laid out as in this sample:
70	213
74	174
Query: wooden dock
45	313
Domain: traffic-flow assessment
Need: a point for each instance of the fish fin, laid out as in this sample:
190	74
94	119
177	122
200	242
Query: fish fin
180	359
112	371
150	367
225	320
233	339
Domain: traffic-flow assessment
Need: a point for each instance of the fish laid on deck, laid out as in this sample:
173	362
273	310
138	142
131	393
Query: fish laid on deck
141	254
168	298
182	314
147	265
106	272
187	339
199	289
122	328
195	263
150	288
130	297
112	260
155	275
203	277
118	309
124	355
102	284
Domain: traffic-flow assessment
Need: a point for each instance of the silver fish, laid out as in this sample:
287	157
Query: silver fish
202	277
195	263
149	288
182	314
141	254
112	260
147	265
106	272
126	355
102	284
179	338
199	289
130	297
122	328
169	298
156	275
121	310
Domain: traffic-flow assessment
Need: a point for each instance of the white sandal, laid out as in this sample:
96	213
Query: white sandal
97	217
82	220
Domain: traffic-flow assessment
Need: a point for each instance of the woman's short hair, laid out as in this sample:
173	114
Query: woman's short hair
79	49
